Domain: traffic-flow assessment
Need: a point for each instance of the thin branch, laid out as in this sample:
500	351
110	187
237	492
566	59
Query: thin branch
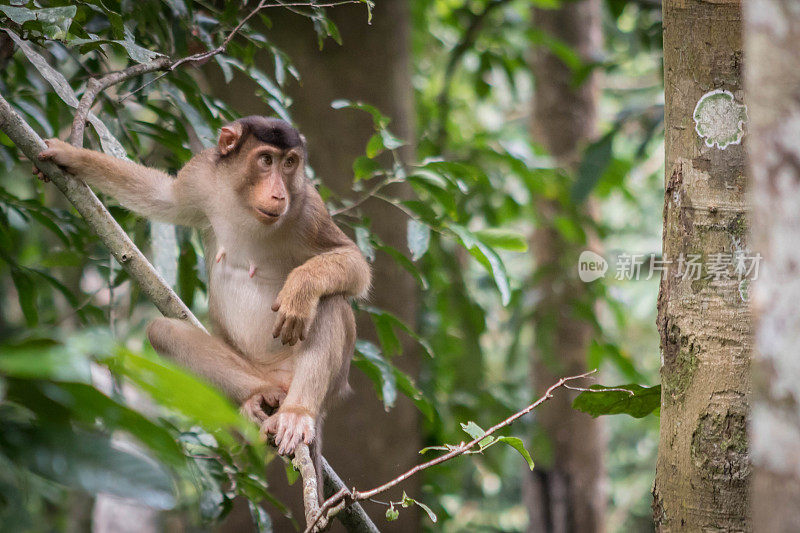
327	508
95	86
202	57
303	463
130	257
369	194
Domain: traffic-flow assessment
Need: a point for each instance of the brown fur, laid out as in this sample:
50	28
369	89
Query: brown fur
280	270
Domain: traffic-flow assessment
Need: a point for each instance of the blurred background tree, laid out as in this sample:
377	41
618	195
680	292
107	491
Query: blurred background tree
434	140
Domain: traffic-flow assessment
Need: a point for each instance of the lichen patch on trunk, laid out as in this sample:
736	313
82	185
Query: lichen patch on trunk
719	119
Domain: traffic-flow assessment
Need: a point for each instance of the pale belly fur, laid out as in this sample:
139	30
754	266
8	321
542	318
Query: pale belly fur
240	307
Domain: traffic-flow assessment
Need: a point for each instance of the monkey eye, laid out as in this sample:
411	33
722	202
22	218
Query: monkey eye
290	161
266	159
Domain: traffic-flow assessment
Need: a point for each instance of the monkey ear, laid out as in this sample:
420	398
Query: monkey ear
229	138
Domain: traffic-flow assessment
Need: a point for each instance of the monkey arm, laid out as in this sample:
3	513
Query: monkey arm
341	270
336	267
149	192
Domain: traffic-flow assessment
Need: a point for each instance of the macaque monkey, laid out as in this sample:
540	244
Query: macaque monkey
280	271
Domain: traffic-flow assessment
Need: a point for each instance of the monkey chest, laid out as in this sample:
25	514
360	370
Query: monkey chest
240	306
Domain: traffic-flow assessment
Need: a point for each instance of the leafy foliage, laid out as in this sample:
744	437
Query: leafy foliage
475	188
633	400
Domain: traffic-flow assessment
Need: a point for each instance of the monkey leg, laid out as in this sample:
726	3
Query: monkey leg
317	372
213	359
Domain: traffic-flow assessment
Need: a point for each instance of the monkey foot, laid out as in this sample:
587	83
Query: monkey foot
290	428
256	406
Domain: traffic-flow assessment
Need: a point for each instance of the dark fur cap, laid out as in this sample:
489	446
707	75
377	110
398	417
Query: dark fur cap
272	131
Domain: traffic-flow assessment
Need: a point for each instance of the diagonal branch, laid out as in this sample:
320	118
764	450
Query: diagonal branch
127	254
343	496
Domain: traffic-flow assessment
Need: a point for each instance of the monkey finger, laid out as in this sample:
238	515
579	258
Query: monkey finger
293	443
300	326
276	331
276	304
286	436
288	328
308	435
286	443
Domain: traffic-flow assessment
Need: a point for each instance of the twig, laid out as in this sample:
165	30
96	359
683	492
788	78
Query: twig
344	496
369	194
205	56
303	463
95	86
609	389
129	256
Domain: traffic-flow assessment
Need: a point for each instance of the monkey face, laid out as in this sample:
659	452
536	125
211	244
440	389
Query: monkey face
273	174
269	155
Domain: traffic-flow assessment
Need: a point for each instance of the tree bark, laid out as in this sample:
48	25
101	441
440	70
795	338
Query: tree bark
366	444
568	494
703	465
772	44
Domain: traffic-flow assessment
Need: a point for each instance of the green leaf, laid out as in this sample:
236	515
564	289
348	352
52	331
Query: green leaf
418	236
503	238
26	294
175	388
406	263
88	461
90	405
364	243
261	519
57	80
375	145
399	324
517	444
486	257
407	502
43	359
138	53
407	386
390	141
55	21
475	431
371	362
390	344
364	168
379	120
642	401
596	159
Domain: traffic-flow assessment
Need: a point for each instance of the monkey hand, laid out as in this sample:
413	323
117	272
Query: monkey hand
257	405
290	425
296	309
62	154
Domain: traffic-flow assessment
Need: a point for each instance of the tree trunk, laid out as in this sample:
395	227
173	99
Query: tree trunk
703	317
364	443
772	36
568	494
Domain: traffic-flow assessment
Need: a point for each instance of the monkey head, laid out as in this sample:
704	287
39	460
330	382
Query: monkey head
265	158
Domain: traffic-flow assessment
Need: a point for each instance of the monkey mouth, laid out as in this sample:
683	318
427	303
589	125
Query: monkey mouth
269	214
